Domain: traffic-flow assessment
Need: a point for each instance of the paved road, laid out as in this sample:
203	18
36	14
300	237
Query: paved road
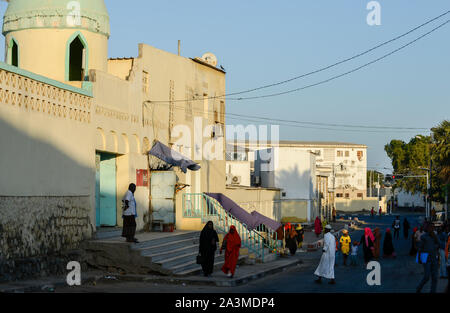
400	275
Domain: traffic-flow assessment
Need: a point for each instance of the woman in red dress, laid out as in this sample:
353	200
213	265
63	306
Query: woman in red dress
232	245
318	226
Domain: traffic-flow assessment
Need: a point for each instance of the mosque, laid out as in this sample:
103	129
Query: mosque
76	127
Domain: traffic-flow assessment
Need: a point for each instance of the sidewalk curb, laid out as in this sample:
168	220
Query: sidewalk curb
220	283
51	284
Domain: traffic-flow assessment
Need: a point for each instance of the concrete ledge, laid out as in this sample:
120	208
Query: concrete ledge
263	271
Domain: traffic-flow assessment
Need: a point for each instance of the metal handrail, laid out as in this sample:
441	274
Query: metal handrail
207	208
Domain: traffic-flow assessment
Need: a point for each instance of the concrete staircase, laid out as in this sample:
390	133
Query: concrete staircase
174	254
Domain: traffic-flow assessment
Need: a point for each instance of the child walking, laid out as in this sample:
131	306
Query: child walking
354	256
345	245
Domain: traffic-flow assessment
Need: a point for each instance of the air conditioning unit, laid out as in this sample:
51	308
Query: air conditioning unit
236	180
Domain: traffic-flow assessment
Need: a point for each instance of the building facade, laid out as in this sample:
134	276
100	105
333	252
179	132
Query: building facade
76	128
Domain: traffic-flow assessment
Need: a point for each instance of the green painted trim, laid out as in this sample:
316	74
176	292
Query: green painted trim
85	44
58	28
9	56
43	79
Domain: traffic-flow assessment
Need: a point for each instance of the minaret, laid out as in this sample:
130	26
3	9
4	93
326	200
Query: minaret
59	39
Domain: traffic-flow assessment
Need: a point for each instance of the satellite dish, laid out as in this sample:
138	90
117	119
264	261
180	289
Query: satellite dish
210	59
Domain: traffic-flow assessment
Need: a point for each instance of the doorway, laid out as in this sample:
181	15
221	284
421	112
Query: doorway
163	196
106	190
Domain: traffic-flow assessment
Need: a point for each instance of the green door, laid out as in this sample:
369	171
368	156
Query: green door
107	210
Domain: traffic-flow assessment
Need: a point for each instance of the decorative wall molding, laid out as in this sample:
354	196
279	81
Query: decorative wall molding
110	113
35	96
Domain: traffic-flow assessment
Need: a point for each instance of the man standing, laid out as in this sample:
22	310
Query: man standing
396	226
372	212
129	214
326	265
380	211
334	215
429	247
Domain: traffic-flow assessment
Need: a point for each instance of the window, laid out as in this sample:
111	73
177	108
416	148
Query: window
77	60
340	153
360	195
205	106
347	153
145	82
14	54
339	195
360	155
347	195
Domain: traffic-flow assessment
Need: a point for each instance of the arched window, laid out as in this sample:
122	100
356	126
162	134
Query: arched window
13	53
76	58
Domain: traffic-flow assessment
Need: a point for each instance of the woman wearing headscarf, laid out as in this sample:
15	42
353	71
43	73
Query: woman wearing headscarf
291	241
388	246
208	247
300	236
231	244
406	228
317	226
377	243
367	241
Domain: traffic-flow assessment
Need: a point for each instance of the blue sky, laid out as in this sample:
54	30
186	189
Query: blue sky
260	42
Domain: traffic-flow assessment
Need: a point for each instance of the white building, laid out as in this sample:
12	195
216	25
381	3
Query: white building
293	171
345	164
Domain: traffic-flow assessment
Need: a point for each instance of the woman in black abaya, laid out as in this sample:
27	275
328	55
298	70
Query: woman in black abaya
208	247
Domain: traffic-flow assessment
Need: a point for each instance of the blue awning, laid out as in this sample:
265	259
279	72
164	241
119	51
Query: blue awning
173	157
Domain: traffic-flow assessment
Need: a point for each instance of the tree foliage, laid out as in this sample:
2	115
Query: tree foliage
408	158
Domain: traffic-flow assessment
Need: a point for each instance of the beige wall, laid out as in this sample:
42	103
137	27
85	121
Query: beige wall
294	209
52	134
264	201
348	205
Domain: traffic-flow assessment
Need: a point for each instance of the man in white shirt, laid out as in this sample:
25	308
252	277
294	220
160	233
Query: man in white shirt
129	214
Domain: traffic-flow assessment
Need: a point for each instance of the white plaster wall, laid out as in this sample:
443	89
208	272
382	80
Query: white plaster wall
239	168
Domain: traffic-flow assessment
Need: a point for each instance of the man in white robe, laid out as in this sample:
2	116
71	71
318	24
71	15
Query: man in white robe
326	265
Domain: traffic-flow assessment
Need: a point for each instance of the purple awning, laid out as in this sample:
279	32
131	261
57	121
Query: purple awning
173	157
252	220
264	220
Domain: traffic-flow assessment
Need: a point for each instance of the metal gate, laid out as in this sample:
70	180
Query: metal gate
163	196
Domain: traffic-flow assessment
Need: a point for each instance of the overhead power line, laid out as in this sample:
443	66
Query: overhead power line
344	74
315	71
258	119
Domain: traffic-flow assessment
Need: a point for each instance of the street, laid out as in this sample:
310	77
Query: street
399	275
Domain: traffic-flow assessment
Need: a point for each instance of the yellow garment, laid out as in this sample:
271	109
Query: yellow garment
345	244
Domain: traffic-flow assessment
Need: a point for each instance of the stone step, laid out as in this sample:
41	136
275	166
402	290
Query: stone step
192	265
166	240
194	269
108	234
167	247
157	256
174	261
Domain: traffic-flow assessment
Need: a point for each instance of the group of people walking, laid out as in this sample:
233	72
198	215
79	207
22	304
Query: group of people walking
425	242
209	240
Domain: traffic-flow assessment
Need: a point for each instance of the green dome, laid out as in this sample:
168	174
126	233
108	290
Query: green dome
26	14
